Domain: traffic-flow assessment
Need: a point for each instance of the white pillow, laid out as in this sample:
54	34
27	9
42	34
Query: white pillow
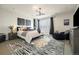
20	32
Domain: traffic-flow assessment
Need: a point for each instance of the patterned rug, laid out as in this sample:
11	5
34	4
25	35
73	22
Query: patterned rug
53	47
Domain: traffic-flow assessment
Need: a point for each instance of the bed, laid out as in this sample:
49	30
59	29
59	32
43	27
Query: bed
28	35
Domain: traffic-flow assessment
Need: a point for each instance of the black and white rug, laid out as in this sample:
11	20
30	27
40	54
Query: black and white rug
54	47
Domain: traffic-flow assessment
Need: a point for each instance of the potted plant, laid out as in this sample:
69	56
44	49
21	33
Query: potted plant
11	28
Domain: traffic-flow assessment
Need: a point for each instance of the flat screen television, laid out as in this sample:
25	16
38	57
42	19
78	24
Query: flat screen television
76	19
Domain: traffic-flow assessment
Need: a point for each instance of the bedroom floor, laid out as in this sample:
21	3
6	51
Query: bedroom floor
3	47
67	48
4	50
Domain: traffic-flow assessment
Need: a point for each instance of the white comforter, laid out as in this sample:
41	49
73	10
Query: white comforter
29	35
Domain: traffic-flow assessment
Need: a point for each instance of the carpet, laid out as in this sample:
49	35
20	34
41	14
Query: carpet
51	47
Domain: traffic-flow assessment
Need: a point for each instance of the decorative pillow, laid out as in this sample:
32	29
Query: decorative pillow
22	29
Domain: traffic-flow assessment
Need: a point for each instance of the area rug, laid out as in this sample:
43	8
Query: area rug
53	47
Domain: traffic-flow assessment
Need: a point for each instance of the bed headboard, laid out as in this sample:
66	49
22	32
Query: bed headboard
25	29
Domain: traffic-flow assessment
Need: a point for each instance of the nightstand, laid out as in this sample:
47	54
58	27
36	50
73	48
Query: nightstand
12	36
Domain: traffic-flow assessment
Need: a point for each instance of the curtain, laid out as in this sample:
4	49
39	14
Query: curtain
34	24
51	26
44	25
39	26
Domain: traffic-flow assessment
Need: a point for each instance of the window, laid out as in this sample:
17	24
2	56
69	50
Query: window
28	22
21	21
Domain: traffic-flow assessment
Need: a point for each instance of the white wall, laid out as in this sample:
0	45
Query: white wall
59	22
8	18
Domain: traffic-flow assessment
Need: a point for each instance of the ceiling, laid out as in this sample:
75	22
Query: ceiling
48	9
